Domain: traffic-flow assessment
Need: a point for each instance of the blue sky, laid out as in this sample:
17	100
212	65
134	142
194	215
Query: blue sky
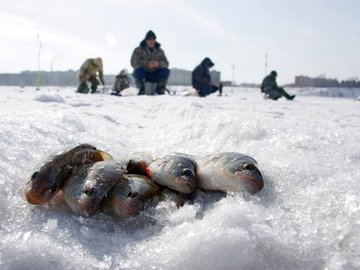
300	37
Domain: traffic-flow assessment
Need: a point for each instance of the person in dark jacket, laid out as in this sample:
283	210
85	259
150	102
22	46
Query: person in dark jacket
150	66
201	79
272	90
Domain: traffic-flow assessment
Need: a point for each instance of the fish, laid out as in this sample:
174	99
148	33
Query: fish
45	182
229	172
87	190
175	171
129	195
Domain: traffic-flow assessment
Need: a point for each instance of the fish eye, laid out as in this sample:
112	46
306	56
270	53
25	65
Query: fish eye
53	189
133	194
89	191
249	166
34	175
187	172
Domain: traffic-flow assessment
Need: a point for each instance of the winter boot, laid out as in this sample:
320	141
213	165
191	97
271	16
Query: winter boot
220	89
83	88
161	87
291	97
140	85
94	87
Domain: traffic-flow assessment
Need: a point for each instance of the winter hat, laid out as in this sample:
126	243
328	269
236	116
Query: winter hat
273	73
98	62
208	62
123	72
150	35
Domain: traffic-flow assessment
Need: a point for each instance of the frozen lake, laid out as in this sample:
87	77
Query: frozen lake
306	217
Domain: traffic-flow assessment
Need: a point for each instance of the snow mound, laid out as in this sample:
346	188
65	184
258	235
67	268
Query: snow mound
55	98
353	93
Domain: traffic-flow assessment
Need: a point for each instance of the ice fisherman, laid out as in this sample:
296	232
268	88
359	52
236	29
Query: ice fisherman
150	66
201	79
272	90
88	73
121	82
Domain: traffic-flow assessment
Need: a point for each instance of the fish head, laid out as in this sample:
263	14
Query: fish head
126	203
83	200
185	179
87	190
248	175
129	194
177	173
43	184
90	201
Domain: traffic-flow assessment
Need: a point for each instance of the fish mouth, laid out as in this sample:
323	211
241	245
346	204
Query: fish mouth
86	207
125	208
38	198
184	186
252	184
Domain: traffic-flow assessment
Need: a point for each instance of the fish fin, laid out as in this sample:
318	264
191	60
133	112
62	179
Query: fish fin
104	155
57	200
148	171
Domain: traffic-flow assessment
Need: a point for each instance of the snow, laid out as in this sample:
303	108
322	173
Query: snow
353	93
306	217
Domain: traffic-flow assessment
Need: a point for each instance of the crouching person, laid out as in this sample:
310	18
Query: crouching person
201	79
272	90
121	82
150	66
88	73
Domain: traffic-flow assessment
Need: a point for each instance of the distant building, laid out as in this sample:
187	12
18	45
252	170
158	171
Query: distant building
29	78
183	77
70	78
305	81
227	83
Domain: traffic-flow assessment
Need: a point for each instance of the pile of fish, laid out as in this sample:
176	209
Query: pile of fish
89	180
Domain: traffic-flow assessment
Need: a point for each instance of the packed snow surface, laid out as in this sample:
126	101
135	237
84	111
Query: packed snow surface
306	217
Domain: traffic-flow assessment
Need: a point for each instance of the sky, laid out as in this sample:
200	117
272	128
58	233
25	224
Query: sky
299	37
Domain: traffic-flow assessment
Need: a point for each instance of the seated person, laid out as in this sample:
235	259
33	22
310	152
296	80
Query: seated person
201	79
272	90
121	82
150	66
88	73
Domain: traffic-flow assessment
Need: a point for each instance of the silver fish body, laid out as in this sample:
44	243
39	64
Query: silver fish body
229	172
175	171
86	191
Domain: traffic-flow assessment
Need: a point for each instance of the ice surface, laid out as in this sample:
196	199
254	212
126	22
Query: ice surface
353	93
306	217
